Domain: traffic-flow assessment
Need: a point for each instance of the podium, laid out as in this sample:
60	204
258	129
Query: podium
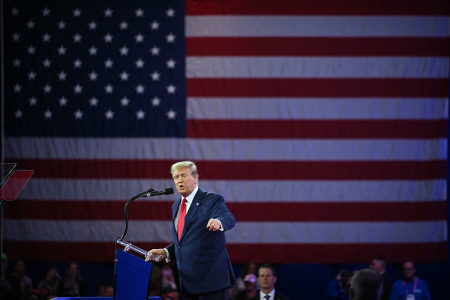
131	273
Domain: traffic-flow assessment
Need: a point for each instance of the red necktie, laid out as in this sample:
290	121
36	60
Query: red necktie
181	216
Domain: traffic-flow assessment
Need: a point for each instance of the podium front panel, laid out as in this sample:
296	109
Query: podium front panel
133	277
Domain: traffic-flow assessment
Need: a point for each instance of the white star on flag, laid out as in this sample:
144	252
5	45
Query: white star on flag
76	13
124	76
61	25
31	49
92	25
170	12
170	63
93	101
108	38
108	64
48	114
46	37
109	114
33	101
139	13
109	89
92	76
47	63
171	114
15	11
140	89
16	37
124	101
155	76
30	24
16	63
62	50
78	114
92	51
139	38
78	89
31	75
155	50
77	63
171	89
123	25
62	101
77	38
108	12
156	101
62	76
123	50
17	88
45	12
170	38
18	114
140	114
154	25
139	63
47	88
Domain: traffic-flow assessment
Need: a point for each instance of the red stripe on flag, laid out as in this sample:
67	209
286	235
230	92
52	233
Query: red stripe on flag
317	129
239	253
243	212
320	7
354	87
239	170
285	46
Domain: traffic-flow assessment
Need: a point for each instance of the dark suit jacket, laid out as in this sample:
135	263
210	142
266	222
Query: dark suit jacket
387	287
278	296
202	258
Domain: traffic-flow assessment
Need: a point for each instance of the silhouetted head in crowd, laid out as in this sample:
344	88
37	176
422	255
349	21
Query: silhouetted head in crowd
366	284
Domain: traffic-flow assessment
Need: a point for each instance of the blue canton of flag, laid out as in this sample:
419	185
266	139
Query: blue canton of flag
93	69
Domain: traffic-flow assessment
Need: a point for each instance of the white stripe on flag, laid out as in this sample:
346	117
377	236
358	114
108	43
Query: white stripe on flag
243	233
317	26
218	149
317	108
317	67
306	191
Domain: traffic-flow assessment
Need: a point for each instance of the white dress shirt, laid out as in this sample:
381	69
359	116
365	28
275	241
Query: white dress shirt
271	294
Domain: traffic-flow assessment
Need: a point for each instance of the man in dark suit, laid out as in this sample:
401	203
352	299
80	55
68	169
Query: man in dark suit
378	264
200	220
266	280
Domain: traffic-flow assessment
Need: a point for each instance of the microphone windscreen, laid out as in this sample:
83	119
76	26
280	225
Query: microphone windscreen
168	191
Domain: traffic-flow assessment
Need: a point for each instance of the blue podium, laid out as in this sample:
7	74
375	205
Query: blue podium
98	298
132	276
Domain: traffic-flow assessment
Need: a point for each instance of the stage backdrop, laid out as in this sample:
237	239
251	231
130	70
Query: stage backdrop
322	123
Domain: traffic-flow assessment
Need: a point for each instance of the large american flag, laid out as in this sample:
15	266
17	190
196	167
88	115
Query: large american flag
322	123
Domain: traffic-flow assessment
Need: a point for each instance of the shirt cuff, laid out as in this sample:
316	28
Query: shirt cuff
221	226
168	256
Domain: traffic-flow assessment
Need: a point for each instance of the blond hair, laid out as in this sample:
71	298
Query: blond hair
185	164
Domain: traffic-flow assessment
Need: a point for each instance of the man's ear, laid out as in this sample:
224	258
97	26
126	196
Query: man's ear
352	294
275	279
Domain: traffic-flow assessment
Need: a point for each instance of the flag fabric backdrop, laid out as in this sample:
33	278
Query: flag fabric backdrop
322	123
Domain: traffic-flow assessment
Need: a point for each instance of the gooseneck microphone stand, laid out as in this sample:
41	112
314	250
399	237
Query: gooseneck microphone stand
123	291
149	191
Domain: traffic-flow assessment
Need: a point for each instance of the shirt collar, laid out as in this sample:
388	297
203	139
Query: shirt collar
190	198
271	294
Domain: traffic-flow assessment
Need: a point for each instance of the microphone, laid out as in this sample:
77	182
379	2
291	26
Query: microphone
167	191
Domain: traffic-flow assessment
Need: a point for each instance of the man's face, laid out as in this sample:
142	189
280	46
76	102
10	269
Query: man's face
409	270
266	280
376	266
20	267
184	181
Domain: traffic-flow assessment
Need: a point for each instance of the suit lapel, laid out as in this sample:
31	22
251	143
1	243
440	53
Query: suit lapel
175	208
192	210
